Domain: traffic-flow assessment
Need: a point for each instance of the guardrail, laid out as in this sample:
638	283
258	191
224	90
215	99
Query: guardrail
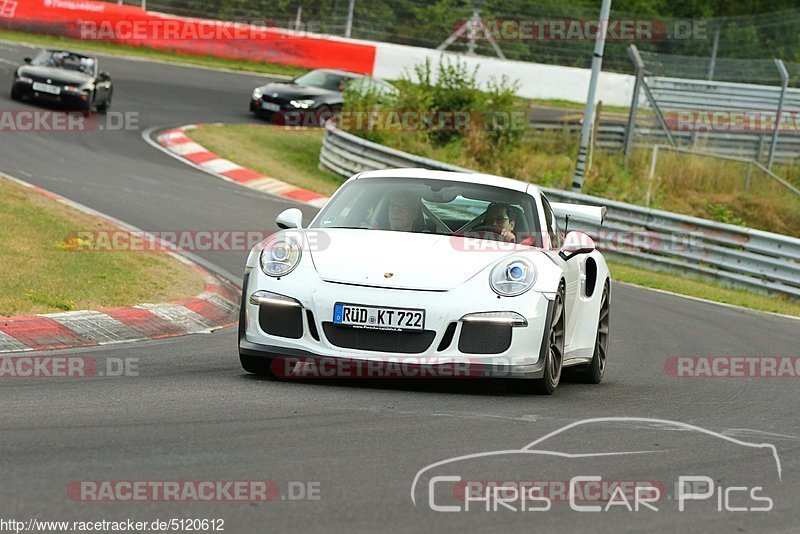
611	137
738	256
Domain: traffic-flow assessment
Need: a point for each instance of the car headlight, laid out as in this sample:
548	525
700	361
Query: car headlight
72	89
25	79
257	94
512	277
280	257
302	104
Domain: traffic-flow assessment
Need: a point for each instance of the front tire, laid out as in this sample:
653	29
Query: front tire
15	94
103	109
594	372
554	357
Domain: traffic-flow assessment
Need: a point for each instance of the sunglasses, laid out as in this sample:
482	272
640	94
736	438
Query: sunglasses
400	208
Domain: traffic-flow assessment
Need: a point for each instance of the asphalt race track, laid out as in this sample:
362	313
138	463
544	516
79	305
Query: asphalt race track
193	414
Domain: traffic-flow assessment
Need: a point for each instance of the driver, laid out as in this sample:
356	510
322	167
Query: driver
498	216
405	213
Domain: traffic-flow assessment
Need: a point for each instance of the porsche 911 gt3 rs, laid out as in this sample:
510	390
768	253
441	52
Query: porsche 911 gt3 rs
436	268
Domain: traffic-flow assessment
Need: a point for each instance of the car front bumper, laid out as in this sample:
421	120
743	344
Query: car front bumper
74	101
474	349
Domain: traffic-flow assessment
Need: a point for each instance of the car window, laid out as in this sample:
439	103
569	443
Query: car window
66	60
427	206
323	79
552	225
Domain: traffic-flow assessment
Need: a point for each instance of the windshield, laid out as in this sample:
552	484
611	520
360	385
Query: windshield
323	79
66	60
429	206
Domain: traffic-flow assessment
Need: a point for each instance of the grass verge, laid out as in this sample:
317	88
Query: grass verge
292	156
287	154
42	275
115	49
701	288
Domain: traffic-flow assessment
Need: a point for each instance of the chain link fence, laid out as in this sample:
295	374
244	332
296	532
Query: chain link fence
429	23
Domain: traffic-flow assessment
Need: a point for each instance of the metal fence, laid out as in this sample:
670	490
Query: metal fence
611	137
429	23
726	107
735	255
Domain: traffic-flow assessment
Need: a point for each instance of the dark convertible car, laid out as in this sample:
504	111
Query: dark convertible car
65	79
317	91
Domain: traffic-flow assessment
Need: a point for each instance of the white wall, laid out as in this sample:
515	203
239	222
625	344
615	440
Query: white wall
536	80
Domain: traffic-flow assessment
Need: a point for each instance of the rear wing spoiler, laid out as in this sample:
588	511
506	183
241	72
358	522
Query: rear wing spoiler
579	212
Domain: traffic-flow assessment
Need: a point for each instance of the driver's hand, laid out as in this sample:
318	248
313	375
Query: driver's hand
509	236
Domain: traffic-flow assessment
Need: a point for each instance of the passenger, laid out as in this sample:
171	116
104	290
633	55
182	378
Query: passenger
405	213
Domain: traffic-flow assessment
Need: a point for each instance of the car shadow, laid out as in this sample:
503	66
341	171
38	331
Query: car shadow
455	386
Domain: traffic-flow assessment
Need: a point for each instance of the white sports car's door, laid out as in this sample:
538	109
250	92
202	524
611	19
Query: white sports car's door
572	273
572	300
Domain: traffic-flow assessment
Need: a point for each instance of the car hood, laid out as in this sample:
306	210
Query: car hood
57	75
415	261
296	91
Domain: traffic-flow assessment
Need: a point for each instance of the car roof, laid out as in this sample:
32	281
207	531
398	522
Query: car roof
468	177
342	72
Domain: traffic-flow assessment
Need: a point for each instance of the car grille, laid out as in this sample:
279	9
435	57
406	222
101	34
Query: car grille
402	342
42	79
282	102
484	338
281	321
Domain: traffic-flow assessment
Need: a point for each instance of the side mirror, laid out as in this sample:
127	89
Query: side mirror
104	75
27	60
576	243
291	218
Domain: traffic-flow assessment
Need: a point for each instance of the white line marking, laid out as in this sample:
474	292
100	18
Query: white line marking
700	299
220	165
184	149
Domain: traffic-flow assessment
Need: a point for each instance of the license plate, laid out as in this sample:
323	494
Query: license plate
45	88
378	317
269	106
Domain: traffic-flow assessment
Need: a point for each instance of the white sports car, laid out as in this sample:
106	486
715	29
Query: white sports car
431	269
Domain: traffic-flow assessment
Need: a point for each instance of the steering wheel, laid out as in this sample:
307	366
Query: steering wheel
493	233
486	228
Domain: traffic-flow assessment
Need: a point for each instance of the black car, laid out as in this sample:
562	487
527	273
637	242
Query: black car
316	91
65	79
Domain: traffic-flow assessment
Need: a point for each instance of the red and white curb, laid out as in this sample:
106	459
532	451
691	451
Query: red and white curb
176	141
216	307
